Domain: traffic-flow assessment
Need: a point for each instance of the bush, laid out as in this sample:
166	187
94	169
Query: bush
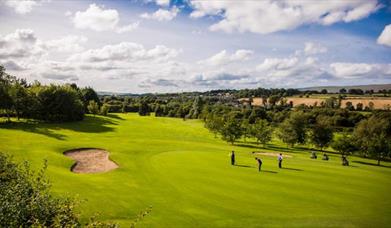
25	199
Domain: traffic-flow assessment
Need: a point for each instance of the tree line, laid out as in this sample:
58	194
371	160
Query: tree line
370	137
43	102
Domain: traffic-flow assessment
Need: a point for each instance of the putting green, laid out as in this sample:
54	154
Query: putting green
183	172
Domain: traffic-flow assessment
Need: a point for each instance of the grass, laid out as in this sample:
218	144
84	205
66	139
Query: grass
183	172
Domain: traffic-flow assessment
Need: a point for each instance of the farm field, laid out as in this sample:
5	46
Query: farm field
378	103
182	171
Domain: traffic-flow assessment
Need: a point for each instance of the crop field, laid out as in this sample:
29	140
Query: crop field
181	173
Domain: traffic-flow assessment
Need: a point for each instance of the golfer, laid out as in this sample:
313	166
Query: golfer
280	161
259	164
232	158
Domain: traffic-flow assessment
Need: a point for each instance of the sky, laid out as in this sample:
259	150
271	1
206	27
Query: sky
140	46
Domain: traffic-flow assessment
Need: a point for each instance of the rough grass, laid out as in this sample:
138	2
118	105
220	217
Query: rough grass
183	172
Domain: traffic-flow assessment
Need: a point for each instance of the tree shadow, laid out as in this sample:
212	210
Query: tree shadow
33	127
91	124
294	169
114	116
246	145
371	164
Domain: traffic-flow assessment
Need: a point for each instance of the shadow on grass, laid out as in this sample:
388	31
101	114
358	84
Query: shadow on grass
294	169
245	166
371	164
91	124
268	171
115	116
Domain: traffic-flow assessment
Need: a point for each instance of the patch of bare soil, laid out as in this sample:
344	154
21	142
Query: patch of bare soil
272	154
90	160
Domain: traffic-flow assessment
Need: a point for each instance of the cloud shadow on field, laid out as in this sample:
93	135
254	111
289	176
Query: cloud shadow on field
372	164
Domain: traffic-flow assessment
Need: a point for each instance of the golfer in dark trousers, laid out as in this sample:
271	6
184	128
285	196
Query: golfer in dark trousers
280	161
232	158
259	164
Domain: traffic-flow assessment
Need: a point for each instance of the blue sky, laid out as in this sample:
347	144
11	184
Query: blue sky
165	46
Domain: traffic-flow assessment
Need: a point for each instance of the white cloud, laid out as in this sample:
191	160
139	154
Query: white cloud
161	14
223	57
360	70
128	28
99	19
20	44
269	16
163	2
385	36
22	6
68	43
313	48
127	52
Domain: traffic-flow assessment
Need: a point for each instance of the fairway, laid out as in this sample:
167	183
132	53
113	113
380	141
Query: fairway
182	171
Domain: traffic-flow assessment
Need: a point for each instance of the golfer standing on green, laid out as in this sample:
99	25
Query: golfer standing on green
232	158
280	161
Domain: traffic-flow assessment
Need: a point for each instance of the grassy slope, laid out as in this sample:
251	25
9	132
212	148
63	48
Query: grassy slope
184	173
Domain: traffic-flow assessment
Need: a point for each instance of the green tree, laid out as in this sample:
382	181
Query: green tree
262	131
5	96
93	107
143	109
25	199
373	137
344	144
293	129
246	127
231	130
322	132
196	108
213	124
89	94
104	110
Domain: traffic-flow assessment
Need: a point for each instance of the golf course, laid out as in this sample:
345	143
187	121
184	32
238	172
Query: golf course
179	172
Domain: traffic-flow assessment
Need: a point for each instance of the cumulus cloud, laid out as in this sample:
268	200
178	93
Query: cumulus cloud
60	76
125	51
70	43
360	70
157	82
161	14
256	16
313	48
99	19
385	36
22	6
223	57
20	44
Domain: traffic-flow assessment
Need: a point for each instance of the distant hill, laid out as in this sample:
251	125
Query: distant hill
335	89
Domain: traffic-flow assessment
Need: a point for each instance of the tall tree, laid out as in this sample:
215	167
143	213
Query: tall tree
294	129
373	136
231	130
213	124
322	132
262	131
344	144
93	107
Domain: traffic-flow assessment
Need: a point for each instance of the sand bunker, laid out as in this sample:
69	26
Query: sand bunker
272	154
90	160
